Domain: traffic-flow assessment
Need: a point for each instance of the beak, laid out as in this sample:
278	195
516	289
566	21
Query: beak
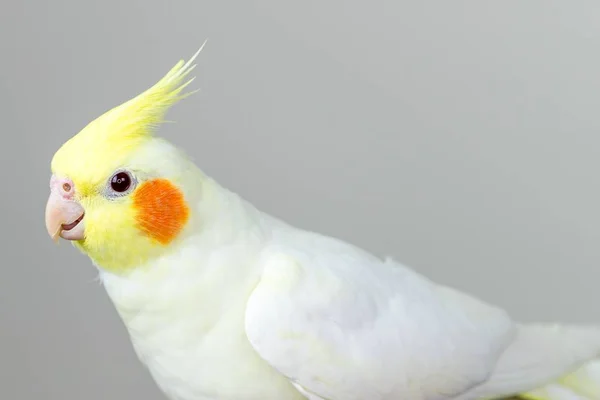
64	218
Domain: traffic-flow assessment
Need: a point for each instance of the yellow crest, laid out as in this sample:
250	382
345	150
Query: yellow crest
105	142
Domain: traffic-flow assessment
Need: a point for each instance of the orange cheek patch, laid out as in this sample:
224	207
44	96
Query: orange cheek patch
161	209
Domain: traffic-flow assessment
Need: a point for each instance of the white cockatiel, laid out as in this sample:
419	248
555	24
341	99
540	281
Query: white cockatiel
223	301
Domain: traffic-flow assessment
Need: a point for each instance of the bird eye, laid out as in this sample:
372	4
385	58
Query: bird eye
121	182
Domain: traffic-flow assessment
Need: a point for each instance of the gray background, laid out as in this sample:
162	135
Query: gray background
459	137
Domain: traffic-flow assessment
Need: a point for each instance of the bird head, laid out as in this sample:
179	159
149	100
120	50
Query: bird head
119	192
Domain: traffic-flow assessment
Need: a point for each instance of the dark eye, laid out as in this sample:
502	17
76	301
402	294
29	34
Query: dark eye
120	182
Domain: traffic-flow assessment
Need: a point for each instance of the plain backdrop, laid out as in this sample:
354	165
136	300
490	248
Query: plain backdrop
461	138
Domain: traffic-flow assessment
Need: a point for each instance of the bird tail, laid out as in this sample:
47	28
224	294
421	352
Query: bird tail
583	384
547	362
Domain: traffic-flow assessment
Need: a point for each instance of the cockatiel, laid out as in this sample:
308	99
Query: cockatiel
223	301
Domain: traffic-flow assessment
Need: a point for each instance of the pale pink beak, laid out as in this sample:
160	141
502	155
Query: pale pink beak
64	215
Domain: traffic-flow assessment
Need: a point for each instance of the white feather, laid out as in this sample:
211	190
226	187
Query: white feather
247	307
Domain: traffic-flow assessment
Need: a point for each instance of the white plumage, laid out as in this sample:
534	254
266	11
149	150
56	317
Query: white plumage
246	307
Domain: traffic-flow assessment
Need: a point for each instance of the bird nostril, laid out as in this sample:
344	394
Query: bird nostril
66	187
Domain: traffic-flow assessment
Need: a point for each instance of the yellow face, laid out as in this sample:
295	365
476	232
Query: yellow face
104	197
125	215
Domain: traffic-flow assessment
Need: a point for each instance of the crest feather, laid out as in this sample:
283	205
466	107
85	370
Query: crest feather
108	140
145	111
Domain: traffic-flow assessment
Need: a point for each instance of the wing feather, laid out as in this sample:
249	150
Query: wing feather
343	324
